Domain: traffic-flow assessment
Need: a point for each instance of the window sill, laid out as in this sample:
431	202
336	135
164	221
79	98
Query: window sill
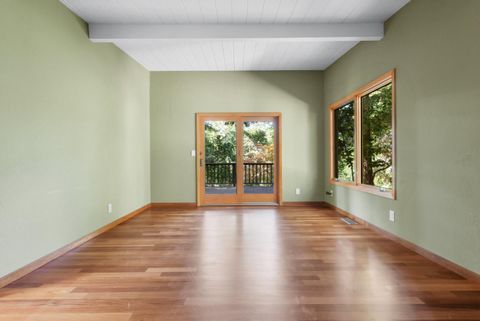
390	194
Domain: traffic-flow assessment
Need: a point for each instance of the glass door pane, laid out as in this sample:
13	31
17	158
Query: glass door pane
220	157
258	157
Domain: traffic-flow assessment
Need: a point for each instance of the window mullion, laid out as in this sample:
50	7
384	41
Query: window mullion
358	140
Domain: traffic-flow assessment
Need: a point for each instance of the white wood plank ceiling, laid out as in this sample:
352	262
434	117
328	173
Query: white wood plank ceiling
231	35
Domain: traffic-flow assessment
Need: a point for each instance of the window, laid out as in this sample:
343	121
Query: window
344	119
362	138
377	138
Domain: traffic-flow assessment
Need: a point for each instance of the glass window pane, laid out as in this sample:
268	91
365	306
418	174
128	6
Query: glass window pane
377	138
258	157
220	157
344	118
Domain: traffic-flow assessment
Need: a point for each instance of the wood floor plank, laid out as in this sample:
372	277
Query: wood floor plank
67	317
245	264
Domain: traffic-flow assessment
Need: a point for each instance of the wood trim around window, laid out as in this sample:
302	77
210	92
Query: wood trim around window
356	96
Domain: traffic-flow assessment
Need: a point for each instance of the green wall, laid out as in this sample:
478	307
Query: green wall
74	131
177	96
434	44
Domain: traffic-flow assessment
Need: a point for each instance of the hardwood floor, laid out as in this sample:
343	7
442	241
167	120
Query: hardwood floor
242	264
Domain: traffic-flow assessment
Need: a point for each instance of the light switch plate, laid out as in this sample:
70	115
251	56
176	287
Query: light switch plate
193	153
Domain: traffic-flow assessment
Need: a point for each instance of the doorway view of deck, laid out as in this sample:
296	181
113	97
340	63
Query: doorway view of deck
238	158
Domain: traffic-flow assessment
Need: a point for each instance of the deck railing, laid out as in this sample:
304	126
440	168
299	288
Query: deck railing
258	174
220	174
225	174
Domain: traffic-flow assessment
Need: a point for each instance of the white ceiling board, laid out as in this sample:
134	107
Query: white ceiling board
234	11
234	55
216	49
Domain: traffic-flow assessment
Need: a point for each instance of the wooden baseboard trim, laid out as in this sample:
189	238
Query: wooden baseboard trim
15	275
466	273
178	205
303	204
182	205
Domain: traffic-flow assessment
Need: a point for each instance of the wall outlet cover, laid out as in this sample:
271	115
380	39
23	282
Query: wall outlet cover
110	208
391	216
193	153
297	191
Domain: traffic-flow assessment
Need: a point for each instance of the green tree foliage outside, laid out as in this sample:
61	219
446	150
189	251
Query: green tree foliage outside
377	138
258	142
345	142
220	142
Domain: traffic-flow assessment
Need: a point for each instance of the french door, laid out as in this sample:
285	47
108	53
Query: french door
238	158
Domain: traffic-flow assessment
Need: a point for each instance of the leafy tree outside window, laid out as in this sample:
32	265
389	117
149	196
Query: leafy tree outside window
220	142
377	138
258	141
345	142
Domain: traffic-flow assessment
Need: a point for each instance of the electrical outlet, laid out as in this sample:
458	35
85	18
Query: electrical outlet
391	216
110	208
193	153
297	191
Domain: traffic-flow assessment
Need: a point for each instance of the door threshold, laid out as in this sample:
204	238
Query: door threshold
243	204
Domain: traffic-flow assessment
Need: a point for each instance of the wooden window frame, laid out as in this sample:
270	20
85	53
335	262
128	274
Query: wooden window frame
356	97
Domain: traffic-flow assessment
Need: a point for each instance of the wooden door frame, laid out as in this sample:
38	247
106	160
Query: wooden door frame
238	117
